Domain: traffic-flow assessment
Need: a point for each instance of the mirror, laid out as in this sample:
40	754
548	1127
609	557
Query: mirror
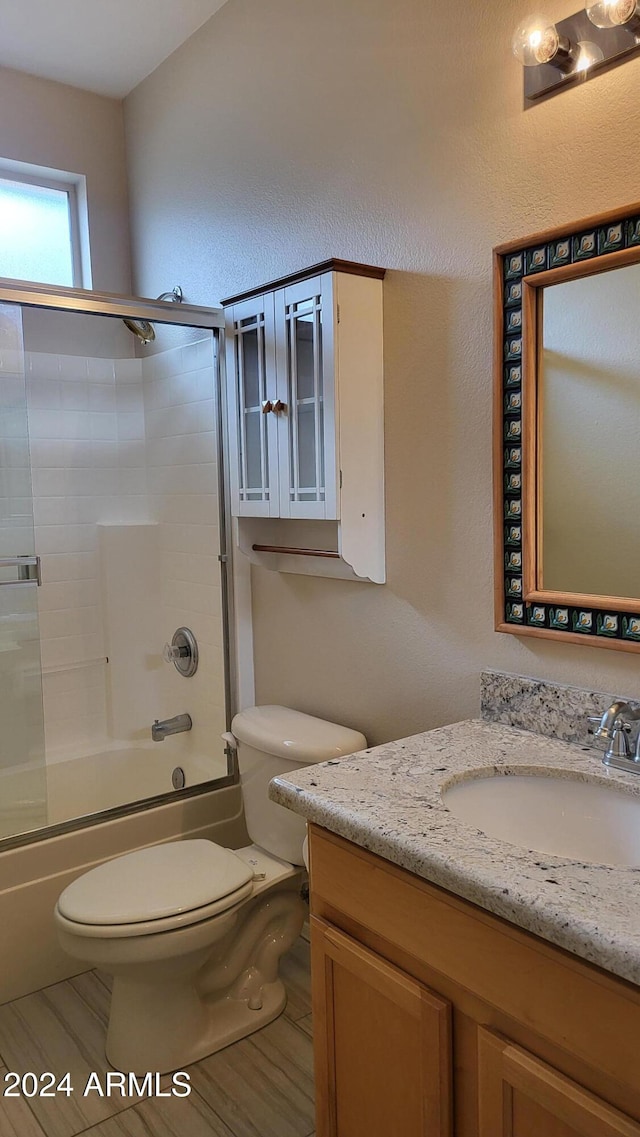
567	435
589	469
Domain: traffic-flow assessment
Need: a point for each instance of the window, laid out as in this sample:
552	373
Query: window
41	226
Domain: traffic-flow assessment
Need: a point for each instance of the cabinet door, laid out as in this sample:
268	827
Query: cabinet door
306	389
251	392
382	1045
520	1096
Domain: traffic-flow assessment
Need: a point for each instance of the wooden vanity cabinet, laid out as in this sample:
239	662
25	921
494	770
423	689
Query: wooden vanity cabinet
433	1018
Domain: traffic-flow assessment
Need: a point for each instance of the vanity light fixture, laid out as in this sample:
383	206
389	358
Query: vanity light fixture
555	56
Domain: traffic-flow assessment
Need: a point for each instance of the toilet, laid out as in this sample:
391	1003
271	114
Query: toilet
191	932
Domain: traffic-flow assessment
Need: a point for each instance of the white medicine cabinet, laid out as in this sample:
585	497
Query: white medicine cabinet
304	387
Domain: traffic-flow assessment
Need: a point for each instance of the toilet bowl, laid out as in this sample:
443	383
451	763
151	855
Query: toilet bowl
191	932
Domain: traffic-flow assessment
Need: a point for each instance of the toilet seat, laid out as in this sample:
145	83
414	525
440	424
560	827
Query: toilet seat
154	927
155	889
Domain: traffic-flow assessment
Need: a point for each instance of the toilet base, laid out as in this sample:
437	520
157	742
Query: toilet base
169	1012
137	1044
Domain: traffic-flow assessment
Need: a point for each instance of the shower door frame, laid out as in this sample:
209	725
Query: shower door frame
83	301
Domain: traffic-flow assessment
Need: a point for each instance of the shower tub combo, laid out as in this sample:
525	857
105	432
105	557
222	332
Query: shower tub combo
112	536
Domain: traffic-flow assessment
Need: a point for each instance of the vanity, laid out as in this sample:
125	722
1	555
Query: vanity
462	984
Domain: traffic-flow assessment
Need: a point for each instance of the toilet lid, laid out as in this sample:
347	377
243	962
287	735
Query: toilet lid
154	883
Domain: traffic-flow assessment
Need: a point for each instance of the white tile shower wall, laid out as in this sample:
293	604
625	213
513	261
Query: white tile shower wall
86	424
131	601
178	387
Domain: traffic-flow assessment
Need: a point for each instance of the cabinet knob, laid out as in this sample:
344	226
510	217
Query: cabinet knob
267	406
278	406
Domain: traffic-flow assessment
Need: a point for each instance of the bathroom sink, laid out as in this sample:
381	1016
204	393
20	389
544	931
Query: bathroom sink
559	816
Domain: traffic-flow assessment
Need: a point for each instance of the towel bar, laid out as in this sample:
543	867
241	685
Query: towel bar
296	552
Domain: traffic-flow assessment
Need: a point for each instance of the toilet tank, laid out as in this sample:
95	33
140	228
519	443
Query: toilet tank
276	740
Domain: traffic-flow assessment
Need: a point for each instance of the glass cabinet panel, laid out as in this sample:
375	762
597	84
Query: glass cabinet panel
254	444
306	412
280	375
252	386
303	313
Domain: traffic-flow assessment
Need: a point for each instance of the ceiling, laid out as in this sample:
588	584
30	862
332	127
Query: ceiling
107	46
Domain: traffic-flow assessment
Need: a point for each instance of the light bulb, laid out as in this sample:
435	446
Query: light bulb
613	13
590	54
535	41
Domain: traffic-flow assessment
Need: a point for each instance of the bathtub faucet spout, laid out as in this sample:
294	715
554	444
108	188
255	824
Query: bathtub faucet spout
176	725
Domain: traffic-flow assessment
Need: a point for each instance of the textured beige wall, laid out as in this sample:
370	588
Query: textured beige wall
286	132
50	124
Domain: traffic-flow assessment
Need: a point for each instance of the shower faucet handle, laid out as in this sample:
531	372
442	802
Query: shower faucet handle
171	652
182	652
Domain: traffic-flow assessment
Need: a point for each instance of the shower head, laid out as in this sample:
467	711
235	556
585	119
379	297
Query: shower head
142	328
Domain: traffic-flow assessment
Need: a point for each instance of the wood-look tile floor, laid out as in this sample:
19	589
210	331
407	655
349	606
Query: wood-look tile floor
261	1086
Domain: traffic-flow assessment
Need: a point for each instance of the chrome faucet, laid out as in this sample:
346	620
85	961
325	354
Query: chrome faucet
176	725
614	728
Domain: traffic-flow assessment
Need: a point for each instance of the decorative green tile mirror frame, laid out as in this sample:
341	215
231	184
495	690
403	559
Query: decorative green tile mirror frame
522	270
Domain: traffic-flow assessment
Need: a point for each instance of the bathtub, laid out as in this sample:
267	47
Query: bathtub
33	875
117	777
35	796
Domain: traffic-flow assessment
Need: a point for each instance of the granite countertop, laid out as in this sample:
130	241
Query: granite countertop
387	800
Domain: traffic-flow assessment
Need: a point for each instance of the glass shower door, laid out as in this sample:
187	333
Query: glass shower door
23	797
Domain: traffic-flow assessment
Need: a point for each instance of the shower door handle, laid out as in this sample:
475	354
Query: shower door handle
28	570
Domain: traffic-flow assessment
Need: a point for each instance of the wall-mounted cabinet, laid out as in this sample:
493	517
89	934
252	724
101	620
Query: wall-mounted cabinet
305	416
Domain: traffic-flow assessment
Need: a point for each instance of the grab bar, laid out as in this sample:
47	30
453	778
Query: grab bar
28	570
296	552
